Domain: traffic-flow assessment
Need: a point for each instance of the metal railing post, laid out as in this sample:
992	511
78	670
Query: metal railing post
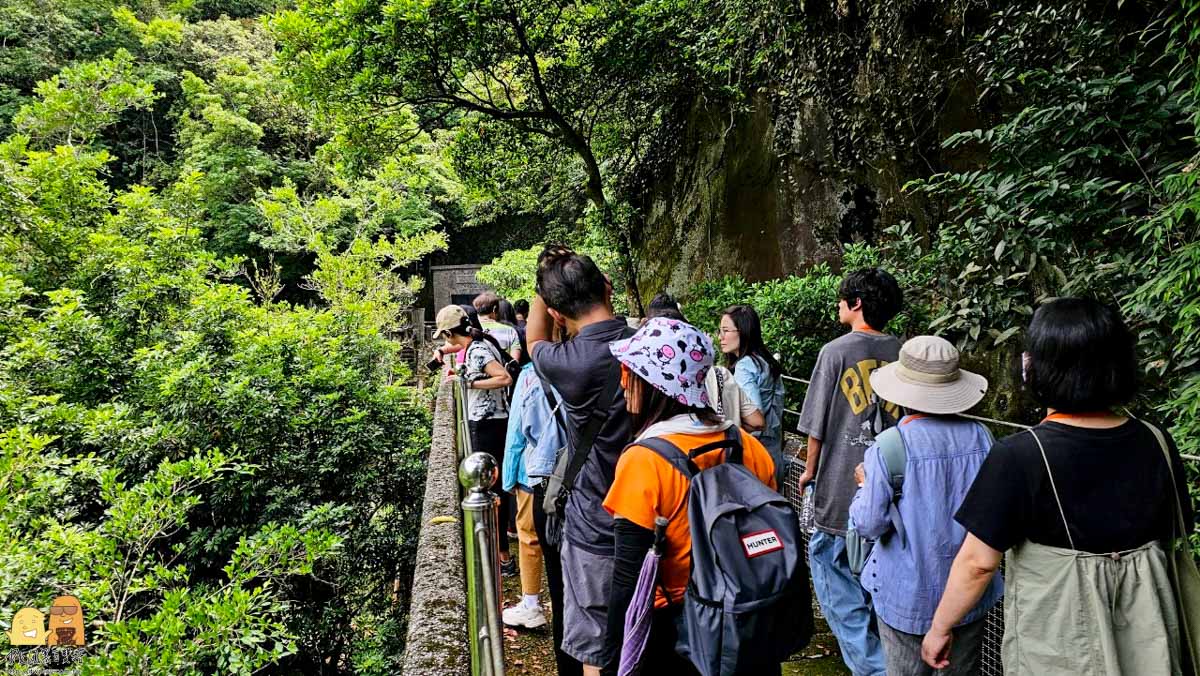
477	473
464	427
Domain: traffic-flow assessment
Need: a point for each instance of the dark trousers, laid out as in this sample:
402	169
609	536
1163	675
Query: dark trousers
567	665
660	658
488	436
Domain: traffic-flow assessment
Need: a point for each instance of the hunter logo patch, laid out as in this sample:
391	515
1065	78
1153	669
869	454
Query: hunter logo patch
762	542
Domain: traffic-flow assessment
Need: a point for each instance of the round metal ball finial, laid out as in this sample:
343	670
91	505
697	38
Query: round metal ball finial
478	472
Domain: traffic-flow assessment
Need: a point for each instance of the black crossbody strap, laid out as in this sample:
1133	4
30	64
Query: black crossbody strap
587	435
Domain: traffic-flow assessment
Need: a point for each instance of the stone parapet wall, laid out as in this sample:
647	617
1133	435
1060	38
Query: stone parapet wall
437	618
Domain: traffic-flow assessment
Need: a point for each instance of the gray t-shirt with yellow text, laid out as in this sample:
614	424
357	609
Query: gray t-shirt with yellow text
839	408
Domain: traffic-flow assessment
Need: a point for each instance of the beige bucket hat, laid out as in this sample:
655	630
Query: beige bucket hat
927	378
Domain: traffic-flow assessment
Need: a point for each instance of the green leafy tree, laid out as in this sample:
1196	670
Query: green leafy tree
1167	302
132	346
573	74
1089	129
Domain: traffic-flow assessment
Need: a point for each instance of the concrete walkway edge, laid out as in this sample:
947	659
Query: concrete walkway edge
437	617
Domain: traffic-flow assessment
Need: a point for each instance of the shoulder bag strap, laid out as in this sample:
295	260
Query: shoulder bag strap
672	454
1054	489
555	405
894	455
676	458
1180	525
591	428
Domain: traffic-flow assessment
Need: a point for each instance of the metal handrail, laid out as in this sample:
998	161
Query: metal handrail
477	473
994	421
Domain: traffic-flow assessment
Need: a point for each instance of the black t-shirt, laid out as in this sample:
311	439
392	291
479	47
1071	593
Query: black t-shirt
578	369
1114	486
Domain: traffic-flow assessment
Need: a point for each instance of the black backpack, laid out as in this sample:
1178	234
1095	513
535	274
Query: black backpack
748	606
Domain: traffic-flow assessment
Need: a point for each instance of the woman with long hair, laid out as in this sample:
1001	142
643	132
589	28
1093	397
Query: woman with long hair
1086	504
487	406
663	367
760	376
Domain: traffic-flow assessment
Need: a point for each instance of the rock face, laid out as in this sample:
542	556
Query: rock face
817	156
763	197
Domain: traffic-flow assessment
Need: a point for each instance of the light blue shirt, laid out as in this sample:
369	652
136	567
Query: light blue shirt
533	438
766	393
906	579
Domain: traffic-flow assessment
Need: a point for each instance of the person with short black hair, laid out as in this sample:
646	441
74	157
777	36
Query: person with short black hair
1086	505
522	309
841	416
572	293
878	292
487	304
506	314
664	305
1062	378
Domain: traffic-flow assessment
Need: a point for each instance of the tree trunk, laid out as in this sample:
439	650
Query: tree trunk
595	193
625	250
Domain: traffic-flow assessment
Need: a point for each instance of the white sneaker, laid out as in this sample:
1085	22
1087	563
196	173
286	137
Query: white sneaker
521	615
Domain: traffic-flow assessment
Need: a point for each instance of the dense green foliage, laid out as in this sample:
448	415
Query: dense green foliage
1087	188
205	428
209	211
543	94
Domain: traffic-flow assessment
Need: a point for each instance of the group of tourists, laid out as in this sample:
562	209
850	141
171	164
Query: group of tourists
644	471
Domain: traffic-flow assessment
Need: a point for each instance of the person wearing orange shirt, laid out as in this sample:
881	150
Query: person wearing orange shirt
663	369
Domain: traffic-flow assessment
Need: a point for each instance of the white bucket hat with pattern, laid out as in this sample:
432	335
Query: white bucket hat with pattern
927	378
672	356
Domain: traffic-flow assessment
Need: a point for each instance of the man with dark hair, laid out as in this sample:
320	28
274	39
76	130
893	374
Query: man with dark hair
573	294
841	417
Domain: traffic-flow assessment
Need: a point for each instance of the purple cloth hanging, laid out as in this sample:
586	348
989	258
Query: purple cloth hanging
639	615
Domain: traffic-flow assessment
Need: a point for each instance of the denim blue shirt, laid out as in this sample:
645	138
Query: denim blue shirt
533	437
766	393
906	579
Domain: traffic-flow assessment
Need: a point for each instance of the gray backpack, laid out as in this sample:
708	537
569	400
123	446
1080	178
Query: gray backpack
895	457
748	606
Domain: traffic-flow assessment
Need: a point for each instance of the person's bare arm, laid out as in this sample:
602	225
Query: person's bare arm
539	324
970	574
497	377
753	422
811	461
